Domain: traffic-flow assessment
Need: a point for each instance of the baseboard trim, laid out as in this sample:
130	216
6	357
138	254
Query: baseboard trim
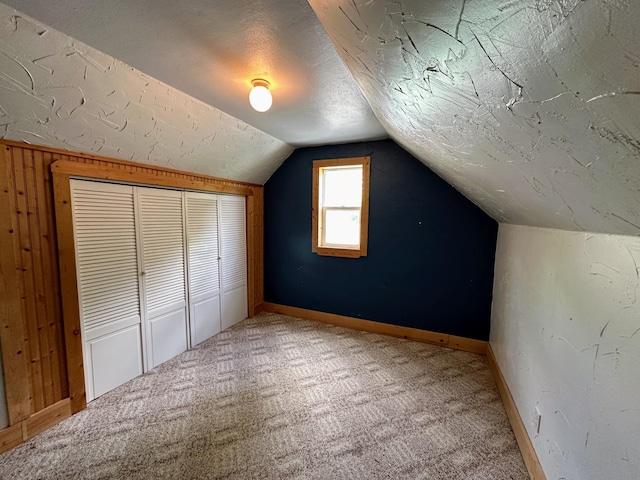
14	435
451	341
259	308
10	437
50	416
522	437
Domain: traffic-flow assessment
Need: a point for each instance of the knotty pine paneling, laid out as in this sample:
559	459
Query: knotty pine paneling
32	325
31	240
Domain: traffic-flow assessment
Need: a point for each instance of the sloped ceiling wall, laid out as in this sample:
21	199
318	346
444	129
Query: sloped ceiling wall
58	92
531	109
212	49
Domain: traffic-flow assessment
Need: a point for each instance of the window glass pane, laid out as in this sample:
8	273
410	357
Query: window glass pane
342	187
342	227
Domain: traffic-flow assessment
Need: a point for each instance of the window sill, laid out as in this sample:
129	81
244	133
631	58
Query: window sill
340	252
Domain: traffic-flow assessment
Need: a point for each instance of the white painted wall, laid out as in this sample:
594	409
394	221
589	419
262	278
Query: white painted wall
565	330
212	50
4	415
58	92
530	109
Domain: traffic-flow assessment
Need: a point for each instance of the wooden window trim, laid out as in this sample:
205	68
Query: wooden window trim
316	214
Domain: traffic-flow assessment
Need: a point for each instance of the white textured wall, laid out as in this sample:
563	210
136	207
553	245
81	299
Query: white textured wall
530	109
566	333
211	50
58	92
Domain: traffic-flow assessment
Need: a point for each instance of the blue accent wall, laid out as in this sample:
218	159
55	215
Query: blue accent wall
431	251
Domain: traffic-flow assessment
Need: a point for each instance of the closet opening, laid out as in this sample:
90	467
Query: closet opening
150	267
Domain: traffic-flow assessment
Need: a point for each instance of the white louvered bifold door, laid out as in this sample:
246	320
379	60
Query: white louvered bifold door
233	250
203	253
164	302
107	271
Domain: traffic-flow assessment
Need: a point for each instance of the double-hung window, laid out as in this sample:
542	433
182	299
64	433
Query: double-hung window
341	207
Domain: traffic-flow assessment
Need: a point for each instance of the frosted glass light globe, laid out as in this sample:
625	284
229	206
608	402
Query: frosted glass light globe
260	97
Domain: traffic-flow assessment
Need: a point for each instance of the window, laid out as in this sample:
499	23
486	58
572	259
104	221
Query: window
341	207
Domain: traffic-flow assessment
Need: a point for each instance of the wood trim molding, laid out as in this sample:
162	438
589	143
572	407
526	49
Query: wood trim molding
316	215
50	416
131	175
27	429
522	437
69	290
442	339
11	437
82	156
251	258
255	249
261	308
314	209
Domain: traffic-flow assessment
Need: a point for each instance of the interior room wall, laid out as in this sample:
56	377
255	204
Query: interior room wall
61	93
529	108
430	251
565	331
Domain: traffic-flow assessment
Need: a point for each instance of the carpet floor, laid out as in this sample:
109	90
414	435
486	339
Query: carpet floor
276	397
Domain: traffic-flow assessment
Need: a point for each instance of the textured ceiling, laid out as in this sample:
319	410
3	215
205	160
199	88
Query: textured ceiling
55	91
531	109
212	50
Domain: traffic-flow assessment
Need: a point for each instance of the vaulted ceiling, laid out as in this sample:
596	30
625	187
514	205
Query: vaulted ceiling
530	109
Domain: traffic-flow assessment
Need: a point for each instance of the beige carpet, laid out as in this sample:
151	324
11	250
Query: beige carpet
281	398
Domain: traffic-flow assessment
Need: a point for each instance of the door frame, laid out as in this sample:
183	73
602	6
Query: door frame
106	169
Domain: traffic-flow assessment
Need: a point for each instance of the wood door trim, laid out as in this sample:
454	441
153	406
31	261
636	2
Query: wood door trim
69	290
131	176
125	163
63	171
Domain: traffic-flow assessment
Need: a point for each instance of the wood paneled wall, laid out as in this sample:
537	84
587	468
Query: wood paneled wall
32	323
31	328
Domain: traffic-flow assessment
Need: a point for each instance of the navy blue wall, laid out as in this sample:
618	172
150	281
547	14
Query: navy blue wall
431	251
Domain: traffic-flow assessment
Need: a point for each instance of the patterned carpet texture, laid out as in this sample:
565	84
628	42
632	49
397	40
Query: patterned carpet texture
276	397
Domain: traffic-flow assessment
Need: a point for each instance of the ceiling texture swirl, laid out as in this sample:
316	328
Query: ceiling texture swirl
530	108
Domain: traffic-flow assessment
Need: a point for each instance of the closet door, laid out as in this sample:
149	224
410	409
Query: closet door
233	248
162	263
108	290
203	255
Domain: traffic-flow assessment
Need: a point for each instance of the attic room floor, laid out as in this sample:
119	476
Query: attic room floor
280	397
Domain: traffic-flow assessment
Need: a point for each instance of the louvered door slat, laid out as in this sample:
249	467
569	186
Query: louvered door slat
162	246
234	259
107	272
161	226
203	243
234	245
204	266
98	244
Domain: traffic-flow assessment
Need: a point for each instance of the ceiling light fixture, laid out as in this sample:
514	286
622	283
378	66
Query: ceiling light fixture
260	96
